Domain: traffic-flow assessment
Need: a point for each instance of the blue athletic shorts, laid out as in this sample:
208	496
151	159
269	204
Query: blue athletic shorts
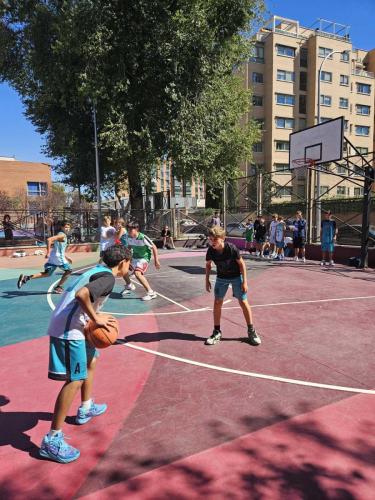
68	359
222	284
327	247
51	268
279	244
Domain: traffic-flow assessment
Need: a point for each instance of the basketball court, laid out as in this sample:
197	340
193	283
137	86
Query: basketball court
293	418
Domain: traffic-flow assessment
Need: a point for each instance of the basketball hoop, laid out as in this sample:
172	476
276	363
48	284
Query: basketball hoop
303	162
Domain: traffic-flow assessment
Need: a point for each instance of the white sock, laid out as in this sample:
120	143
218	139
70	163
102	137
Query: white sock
52	433
86	405
150	292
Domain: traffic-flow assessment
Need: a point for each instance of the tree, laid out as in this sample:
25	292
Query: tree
159	72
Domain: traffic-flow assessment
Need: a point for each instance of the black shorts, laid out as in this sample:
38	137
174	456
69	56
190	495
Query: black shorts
299	242
260	240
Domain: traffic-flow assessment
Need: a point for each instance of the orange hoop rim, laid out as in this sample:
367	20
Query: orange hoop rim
304	162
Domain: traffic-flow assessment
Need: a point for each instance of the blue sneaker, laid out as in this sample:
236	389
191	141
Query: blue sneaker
84	416
57	449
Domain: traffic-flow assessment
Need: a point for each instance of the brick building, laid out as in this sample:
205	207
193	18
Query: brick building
17	177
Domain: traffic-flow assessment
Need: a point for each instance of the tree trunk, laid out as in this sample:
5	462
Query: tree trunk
135	189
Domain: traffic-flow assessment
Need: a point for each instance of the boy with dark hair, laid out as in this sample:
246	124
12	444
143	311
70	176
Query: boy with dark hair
231	270
72	359
142	248
260	236
249	235
56	247
328	237
299	228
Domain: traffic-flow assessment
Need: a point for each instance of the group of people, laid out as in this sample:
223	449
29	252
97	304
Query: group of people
125	249
270	240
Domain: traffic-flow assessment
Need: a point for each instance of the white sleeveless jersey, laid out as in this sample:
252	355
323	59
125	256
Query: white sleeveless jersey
68	319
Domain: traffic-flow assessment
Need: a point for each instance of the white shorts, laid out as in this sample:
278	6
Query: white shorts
140	265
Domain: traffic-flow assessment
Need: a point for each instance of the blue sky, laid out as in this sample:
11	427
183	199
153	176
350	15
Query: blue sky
19	138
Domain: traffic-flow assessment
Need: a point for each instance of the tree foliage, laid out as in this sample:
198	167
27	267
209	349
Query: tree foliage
160	73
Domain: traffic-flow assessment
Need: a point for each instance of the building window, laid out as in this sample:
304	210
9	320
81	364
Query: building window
344	56
257	100
282	145
344	102
344	80
361	109
187	188
303	58
324	190
341	170
177	187
257	77
285	99
36	189
302	123
282	167
358	191
326	100
258	147
346	125
303	80
302	104
358	171
341	191
167	177
363	151
362	130
324	51
363	88
326	76
285	191
258	54
284	122
285	76
284	50
301	191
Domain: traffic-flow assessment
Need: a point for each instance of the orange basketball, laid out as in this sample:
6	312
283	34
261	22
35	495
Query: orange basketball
101	337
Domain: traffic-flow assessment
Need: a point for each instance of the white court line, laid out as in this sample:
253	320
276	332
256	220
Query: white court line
166	298
49	291
253	374
203	309
227	301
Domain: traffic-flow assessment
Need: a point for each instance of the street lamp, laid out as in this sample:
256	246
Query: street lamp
98	195
318	207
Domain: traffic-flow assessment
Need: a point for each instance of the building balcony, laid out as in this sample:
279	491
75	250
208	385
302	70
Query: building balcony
362	72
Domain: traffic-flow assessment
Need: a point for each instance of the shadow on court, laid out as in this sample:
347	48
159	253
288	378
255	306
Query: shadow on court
191	269
12	294
14	425
158	336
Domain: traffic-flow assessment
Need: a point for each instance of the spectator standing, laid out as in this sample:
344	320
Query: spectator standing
249	235
8	227
328	238
299	228
260	237
272	232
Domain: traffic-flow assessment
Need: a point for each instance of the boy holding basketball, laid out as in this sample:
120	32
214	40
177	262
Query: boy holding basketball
56	247
72	359
231	270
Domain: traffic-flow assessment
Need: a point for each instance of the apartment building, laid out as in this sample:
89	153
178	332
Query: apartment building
31	178
283	75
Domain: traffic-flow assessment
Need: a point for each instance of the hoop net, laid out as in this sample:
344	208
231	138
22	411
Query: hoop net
303	162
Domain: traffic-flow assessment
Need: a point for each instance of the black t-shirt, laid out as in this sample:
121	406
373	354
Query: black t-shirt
256	224
225	261
260	231
101	284
165	232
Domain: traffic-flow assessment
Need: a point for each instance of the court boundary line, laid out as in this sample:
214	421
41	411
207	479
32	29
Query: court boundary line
231	370
273	378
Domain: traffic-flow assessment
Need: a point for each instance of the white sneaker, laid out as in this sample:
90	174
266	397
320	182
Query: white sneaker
303	259
331	263
323	263
129	288
296	259
151	295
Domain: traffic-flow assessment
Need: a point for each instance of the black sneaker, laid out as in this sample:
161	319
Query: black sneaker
254	338
21	280
215	338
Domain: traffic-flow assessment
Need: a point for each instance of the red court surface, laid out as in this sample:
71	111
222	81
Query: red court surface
290	419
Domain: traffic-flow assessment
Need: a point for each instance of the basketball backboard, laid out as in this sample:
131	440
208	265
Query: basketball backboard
321	143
